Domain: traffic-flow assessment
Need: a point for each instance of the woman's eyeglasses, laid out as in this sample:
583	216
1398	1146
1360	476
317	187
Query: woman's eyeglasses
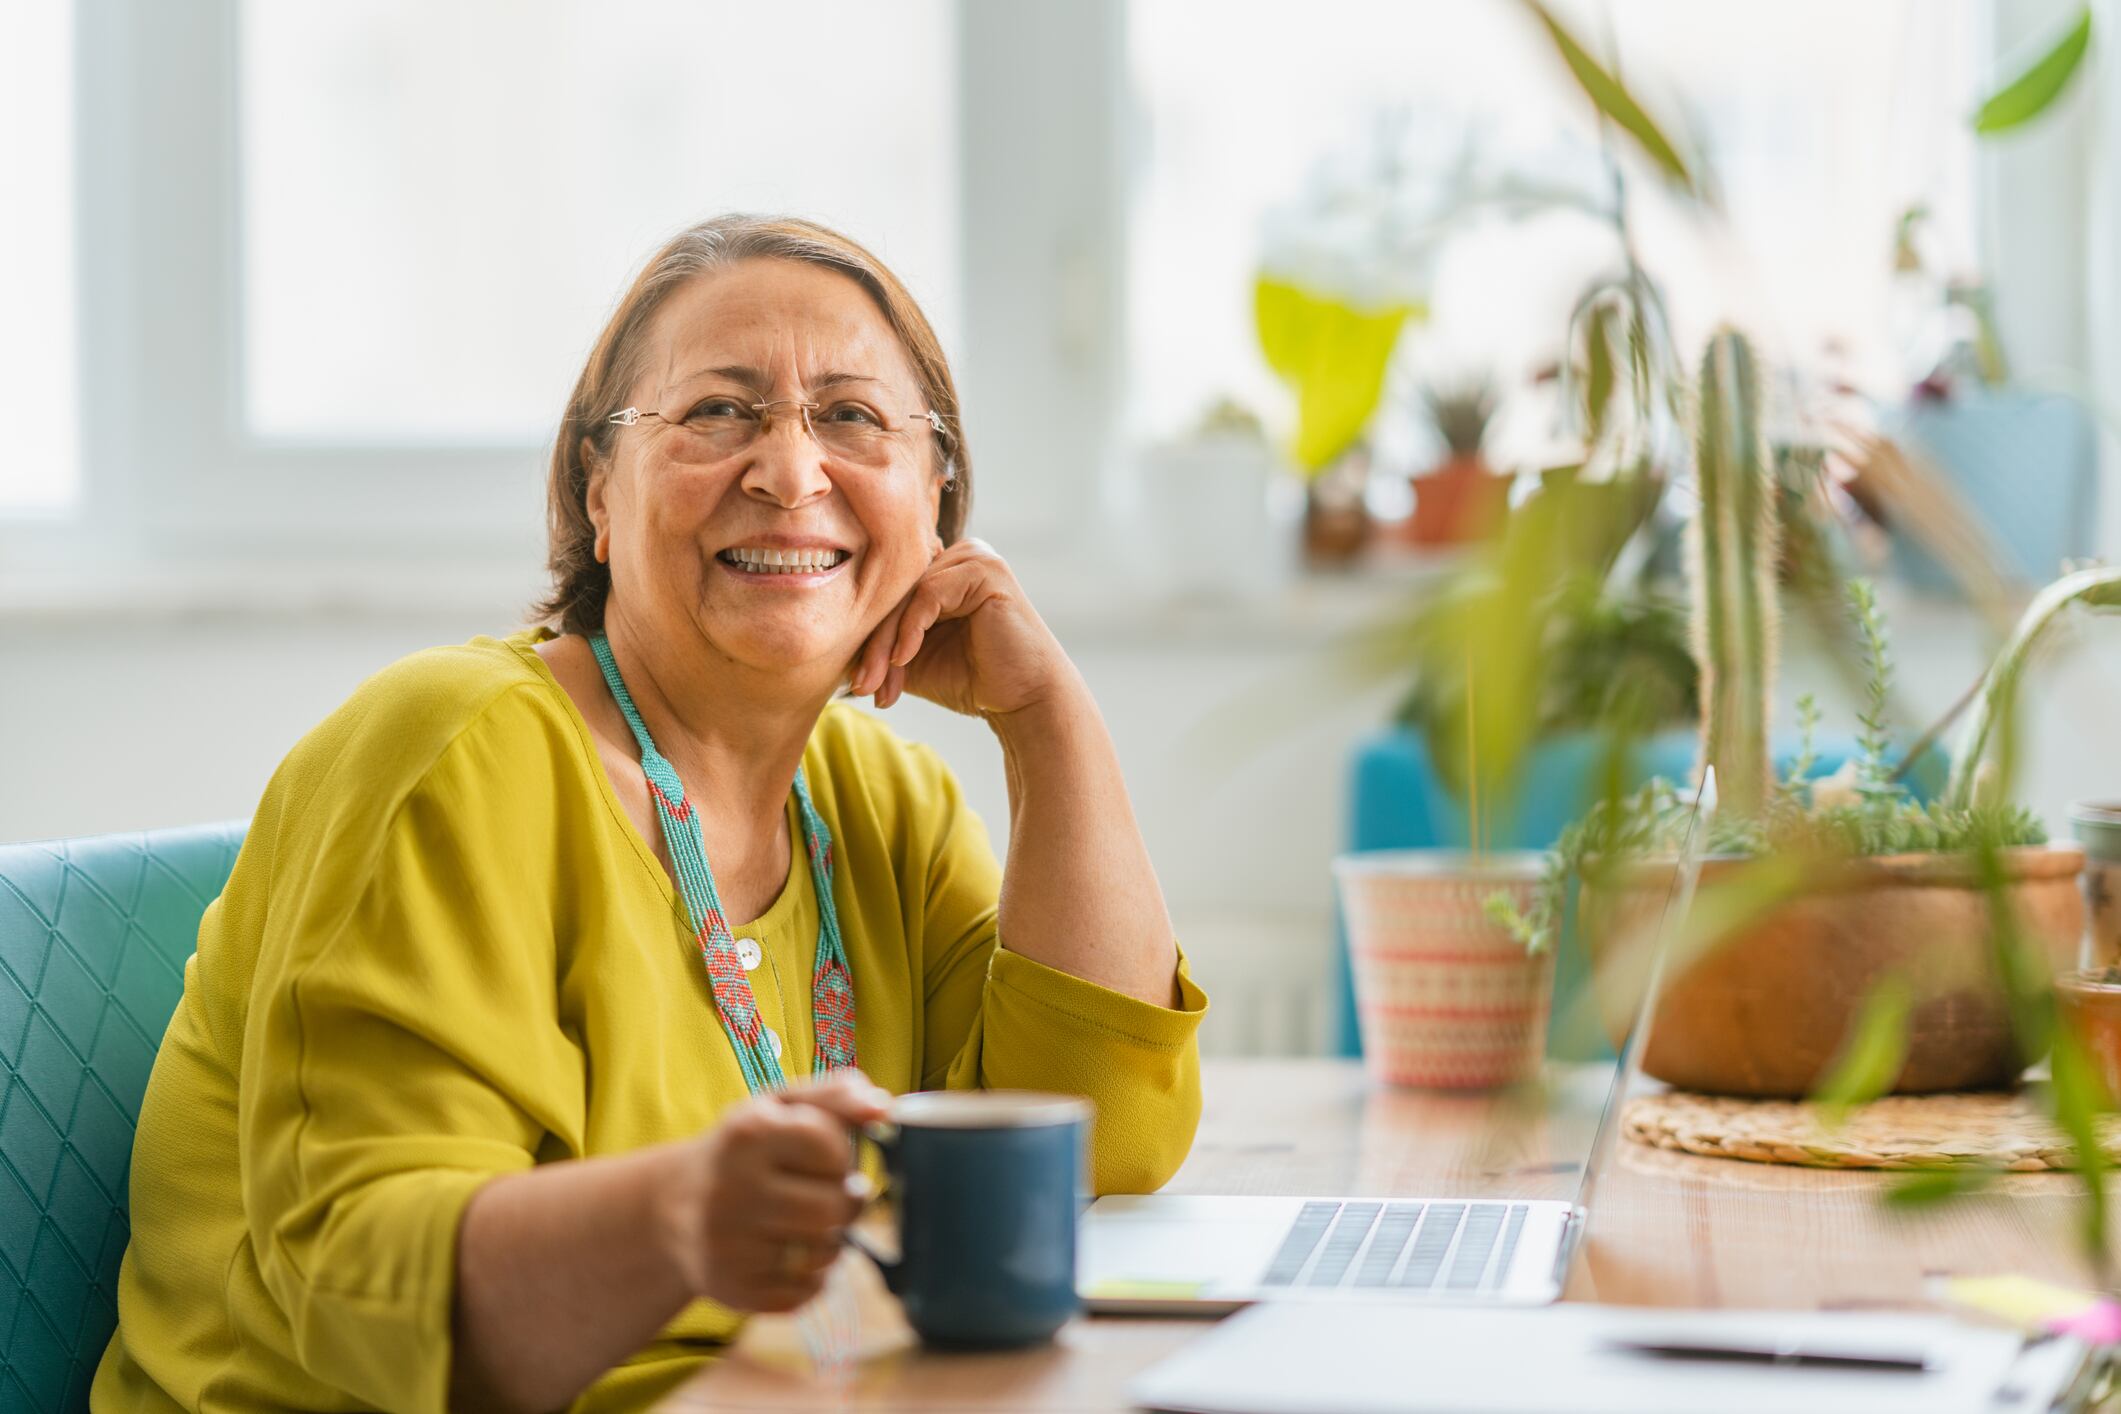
719	427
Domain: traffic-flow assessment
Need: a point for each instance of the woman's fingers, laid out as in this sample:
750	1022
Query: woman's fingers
804	1210
777	1295
945	593
848	1095
807	1140
874	657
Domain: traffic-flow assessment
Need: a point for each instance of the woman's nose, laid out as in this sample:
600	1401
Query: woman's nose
787	466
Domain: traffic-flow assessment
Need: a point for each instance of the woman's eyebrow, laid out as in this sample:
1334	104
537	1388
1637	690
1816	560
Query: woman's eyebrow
758	380
836	380
754	378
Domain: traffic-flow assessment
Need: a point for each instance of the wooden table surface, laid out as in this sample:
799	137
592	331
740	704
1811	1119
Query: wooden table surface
1667	1229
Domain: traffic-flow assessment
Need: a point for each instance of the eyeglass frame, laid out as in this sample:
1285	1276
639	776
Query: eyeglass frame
629	416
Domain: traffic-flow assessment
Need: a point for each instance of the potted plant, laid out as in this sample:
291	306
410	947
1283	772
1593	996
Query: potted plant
2089	1003
1461	498
1835	891
1448	997
2097	826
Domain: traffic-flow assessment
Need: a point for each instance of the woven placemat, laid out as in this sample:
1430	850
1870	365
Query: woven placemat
1898	1132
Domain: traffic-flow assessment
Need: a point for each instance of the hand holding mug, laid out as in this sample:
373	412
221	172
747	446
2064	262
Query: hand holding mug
767	1195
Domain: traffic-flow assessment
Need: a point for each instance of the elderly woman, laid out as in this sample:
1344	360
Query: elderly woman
519	1055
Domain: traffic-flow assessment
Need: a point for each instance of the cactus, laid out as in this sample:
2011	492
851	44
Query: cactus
1732	548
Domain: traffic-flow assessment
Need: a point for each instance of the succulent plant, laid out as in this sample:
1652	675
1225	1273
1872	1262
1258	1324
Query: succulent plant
1460	413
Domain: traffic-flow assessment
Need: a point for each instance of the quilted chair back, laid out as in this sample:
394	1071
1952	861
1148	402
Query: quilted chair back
94	934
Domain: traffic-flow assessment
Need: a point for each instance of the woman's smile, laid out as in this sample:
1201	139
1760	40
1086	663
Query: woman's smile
784	563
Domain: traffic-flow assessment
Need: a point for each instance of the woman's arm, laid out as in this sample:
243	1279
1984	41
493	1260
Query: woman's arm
562	1271
1079	893
565	1269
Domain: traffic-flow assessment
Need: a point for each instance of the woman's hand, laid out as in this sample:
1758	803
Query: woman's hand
965	637
769	1192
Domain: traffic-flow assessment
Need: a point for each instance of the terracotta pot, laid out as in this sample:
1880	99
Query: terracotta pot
1446	997
2097	826
1765	1011
1337	521
2090	1005
1458	502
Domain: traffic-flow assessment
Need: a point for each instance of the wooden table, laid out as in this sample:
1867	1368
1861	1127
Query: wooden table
1667	1229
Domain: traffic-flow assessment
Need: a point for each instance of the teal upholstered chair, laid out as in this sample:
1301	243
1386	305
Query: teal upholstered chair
93	938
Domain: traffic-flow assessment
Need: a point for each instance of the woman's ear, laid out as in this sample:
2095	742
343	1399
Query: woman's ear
936	485
593	499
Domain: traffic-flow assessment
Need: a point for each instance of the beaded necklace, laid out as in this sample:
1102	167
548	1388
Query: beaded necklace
831	985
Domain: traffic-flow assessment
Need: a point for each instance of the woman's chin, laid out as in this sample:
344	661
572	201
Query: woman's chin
794	651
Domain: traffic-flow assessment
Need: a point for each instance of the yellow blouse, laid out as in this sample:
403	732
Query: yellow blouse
445	953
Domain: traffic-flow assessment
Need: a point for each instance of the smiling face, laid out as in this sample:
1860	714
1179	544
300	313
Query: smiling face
775	548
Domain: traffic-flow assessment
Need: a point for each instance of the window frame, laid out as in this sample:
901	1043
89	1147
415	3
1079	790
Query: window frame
171	476
172	481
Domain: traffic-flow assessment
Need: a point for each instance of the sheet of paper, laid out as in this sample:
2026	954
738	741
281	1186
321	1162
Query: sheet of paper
1313	1357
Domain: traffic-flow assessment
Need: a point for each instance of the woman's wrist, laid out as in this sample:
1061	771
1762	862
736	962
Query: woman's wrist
1051	717
676	1178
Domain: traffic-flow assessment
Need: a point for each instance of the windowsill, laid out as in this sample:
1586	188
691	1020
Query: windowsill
259	592
1297	610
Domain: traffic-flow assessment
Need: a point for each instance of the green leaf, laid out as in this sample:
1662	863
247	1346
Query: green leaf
1598	377
1333	356
1933	1186
1612	98
2100	589
1871	1054
2035	89
1907	256
2077	1094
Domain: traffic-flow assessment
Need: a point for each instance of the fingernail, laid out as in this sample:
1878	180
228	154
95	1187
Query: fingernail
859	1186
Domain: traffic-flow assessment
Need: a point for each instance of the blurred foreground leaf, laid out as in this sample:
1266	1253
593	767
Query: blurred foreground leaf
2034	90
2078	1095
1933	1186
1871	1054
1611	97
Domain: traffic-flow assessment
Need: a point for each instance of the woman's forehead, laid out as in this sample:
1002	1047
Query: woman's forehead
784	318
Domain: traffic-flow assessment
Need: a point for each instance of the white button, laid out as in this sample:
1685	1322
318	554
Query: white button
773	1042
747	952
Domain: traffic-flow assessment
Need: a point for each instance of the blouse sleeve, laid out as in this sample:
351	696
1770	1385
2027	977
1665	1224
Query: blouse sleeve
997	1020
403	1048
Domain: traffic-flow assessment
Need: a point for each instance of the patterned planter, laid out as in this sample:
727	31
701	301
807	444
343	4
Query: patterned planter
1447	999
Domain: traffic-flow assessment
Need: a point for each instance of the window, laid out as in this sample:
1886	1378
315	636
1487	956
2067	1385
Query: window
40	473
1822	120
440	202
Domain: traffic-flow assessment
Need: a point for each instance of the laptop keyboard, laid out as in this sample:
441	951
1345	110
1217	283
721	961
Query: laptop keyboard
1452	1247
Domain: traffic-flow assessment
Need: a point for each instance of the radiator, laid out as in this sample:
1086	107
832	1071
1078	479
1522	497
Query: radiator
1266	979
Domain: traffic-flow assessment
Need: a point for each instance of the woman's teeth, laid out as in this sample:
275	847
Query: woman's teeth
782	561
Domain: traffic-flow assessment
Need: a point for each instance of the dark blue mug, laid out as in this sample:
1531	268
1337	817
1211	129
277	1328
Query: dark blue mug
988	1184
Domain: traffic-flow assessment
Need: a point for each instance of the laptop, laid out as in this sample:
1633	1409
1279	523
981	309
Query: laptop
1175	1254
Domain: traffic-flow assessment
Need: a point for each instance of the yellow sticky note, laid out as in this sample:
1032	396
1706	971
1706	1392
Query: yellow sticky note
1130	1289
2019	1300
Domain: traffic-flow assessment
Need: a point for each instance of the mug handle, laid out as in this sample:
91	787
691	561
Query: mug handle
883	1135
